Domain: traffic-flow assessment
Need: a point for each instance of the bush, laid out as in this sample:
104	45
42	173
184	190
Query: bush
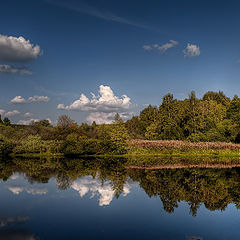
77	145
6	146
111	140
34	144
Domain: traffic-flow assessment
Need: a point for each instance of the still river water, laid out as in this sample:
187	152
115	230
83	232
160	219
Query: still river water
101	199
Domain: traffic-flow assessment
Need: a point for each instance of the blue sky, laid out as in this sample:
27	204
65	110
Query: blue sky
141	49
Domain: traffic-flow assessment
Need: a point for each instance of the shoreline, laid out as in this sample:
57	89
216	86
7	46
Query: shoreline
183	166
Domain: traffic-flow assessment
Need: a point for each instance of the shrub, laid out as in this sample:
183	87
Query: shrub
6	146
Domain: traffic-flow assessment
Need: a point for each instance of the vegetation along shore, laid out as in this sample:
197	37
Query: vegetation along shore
205	127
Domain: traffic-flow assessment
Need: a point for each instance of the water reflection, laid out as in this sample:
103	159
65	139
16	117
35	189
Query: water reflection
5	221
109	178
96	187
33	191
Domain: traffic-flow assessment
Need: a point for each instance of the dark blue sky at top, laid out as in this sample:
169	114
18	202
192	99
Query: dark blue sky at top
89	43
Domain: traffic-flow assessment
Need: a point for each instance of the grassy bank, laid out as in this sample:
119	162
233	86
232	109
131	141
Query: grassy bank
182	148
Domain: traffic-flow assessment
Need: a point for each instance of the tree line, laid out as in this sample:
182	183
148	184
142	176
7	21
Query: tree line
212	118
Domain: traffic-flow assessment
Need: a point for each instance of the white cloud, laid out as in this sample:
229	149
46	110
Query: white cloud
105	118
20	99
14	176
168	45
191	50
7	69
17	49
106	101
147	47
2	111
28	122
39	99
101	117
37	191
32	120
95	187
28	114
32	191
11	113
163	48
15	190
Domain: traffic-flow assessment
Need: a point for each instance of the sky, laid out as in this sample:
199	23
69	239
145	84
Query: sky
93	59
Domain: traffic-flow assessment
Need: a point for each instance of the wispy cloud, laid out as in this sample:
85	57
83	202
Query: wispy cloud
12	113
8	69
162	48
82	7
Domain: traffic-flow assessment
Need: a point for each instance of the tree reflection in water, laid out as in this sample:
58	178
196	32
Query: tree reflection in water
215	188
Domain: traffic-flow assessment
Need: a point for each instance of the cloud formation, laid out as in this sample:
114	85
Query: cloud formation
7	69
95	187
168	45
11	113
28	114
28	121
106	101
147	47
2	111
81	7
101	117
162	48
33	191
17	49
105	118
20	99
191	50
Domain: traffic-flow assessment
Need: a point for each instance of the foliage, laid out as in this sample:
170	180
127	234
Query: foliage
6	146
214	117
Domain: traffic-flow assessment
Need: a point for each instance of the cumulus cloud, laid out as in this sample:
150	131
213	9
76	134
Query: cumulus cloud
163	48
11	113
105	118
95	187
20	99
17	49
7	69
191	50
106	101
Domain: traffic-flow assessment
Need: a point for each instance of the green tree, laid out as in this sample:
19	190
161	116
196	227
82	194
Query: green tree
6	121
117	119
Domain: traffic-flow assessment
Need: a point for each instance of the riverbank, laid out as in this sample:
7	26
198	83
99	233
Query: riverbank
174	147
160	154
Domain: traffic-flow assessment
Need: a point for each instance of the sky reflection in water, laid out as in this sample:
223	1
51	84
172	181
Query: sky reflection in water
120	204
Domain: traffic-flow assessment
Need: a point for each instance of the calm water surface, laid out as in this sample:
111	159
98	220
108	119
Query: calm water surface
98	199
